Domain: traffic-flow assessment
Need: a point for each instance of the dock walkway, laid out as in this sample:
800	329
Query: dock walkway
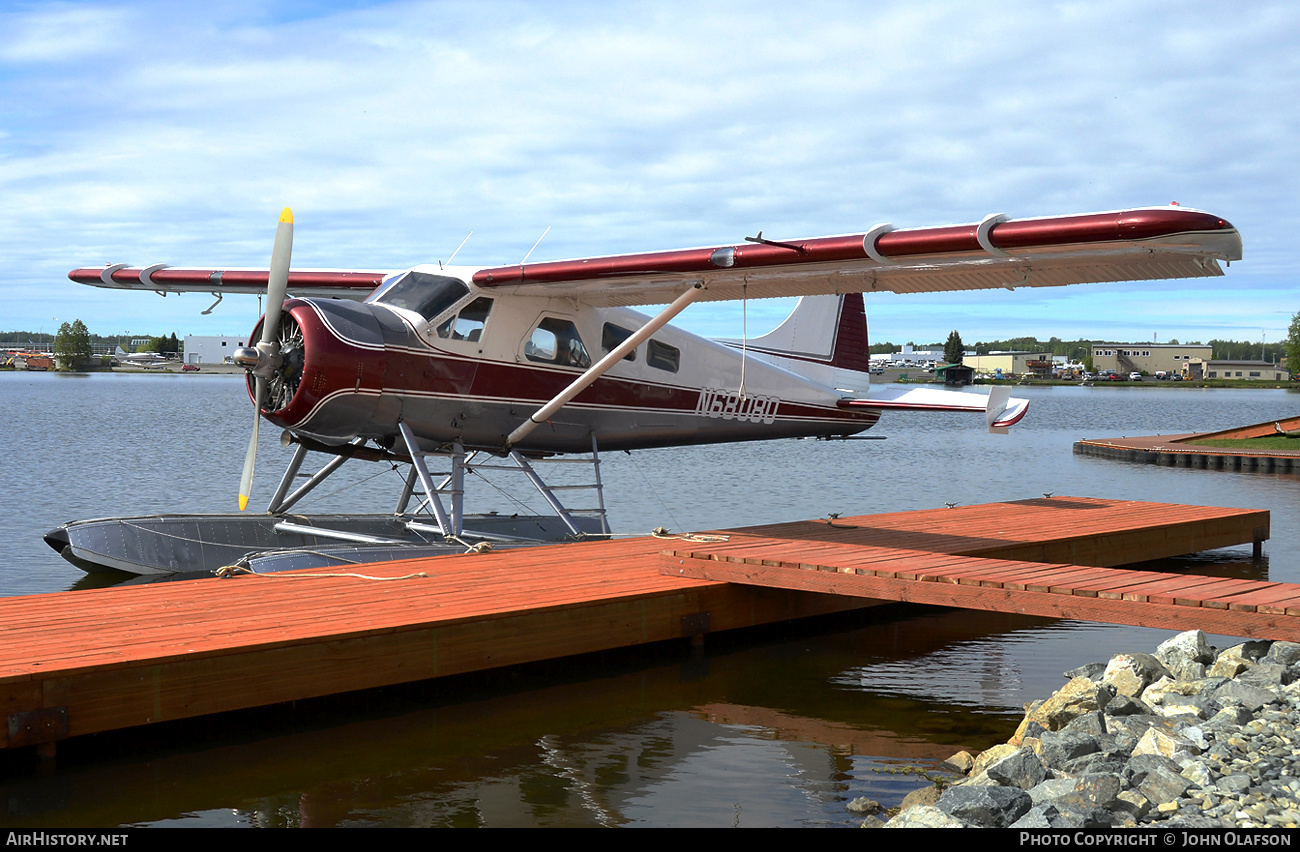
1183	450
76	663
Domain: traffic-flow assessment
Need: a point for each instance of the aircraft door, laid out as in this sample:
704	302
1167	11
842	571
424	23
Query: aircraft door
555	340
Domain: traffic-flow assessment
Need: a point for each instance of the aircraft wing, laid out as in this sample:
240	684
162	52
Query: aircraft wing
341	283
1128	245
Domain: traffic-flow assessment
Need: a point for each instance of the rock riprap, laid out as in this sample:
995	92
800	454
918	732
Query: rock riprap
1187	736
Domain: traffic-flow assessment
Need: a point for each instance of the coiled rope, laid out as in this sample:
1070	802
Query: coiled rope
665	533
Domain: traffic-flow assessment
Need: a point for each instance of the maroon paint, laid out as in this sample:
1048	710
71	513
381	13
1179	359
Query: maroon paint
332	365
343	280
1034	233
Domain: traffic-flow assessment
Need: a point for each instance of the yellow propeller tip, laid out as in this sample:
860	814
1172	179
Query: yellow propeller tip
243	502
286	215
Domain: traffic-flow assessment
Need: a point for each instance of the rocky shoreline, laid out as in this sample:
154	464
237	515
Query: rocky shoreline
1186	737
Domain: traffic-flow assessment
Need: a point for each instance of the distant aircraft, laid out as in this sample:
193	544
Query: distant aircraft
140	359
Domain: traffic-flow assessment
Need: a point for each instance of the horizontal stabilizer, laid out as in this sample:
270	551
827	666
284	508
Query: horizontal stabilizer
1000	409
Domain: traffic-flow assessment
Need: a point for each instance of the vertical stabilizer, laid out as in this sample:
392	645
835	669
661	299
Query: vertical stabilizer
823	339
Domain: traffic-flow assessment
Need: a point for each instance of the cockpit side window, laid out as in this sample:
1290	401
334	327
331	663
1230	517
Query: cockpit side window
428	295
662	356
556	341
469	323
612	335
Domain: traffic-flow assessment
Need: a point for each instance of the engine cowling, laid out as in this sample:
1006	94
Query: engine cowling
330	380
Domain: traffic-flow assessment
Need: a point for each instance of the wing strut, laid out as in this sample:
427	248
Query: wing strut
595	371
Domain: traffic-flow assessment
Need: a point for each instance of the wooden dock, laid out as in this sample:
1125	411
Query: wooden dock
1185	450
76	663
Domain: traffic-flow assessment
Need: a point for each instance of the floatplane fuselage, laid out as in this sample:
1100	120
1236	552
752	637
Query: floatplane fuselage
460	365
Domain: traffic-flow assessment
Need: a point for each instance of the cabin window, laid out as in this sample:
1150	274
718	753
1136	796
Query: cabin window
427	295
556	341
662	356
468	324
611	336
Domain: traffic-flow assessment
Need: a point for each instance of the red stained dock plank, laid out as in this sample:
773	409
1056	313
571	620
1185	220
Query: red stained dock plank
120	657
1146	598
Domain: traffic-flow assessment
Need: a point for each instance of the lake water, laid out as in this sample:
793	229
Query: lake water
778	728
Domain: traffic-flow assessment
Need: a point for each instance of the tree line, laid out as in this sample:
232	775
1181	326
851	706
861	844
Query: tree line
74	347
1078	351
98	343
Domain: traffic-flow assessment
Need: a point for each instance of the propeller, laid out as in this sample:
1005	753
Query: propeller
264	360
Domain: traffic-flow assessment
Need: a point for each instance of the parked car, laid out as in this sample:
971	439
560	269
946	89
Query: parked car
189	368
1135	377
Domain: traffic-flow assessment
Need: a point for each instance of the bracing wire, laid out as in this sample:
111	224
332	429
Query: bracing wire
653	491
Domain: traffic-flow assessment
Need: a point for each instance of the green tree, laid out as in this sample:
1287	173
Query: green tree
1292	346
953	350
72	345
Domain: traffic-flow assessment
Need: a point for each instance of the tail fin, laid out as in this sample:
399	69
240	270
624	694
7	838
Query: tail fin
823	339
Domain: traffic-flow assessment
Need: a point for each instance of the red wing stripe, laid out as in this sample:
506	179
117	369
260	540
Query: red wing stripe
1126	226
232	279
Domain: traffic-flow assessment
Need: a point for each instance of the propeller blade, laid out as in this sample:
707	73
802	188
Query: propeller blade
277	284
277	287
250	457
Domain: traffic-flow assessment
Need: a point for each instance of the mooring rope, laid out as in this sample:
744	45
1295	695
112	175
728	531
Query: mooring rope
663	532
480	547
227	571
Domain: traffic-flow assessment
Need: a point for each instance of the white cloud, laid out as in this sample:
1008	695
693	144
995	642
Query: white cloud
394	129
58	33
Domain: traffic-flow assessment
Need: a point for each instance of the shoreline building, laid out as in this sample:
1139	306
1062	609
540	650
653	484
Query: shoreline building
1257	371
1036	364
1149	358
910	356
211	350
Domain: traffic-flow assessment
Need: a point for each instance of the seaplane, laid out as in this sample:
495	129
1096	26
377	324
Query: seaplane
140	359
505	367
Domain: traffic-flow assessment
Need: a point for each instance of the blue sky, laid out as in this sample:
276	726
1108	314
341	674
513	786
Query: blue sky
146	132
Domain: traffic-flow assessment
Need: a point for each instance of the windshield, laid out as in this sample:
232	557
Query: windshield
427	295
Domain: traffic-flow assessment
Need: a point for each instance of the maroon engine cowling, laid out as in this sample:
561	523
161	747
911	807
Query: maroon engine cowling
331	379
